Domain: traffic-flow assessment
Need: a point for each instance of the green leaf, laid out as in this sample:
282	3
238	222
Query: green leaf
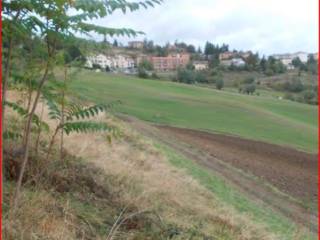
54	111
84	127
9	135
82	113
24	113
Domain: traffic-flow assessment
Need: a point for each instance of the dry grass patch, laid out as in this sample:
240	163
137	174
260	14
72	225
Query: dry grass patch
39	216
150	182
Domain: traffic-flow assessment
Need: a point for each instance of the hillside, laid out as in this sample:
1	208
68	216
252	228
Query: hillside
233	77
155	191
253	117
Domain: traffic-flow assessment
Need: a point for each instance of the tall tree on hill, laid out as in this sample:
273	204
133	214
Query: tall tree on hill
191	49
252	62
224	48
209	49
263	64
161	51
148	46
312	65
296	62
181	45
53	22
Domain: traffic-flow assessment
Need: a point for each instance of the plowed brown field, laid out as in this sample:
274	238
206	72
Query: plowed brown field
282	178
291	171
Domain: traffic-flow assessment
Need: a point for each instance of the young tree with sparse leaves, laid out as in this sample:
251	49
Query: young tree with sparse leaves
54	21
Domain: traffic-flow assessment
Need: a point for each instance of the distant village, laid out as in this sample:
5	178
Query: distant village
127	59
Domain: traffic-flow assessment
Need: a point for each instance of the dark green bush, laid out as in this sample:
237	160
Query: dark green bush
219	84
142	73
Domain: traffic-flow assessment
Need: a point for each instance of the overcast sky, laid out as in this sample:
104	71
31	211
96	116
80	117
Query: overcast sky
266	26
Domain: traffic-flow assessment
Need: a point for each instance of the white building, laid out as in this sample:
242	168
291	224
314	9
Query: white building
286	59
302	55
226	62
102	60
200	65
123	62
111	61
316	56
238	62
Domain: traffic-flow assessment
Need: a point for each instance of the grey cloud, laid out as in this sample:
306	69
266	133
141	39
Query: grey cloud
243	24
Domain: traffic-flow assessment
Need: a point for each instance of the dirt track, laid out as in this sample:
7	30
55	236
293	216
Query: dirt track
289	170
261	166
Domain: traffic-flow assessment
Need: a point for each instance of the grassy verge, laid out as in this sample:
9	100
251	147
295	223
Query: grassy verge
262	215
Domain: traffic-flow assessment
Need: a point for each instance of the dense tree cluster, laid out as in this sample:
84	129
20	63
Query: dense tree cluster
144	67
212	53
310	66
248	86
189	76
271	66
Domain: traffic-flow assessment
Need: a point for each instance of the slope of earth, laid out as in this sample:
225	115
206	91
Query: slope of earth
195	146
289	170
252	117
84	197
193	202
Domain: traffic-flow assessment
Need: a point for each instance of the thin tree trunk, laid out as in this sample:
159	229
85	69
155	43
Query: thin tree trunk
62	122
27	140
52	141
28	110
7	67
62	114
29	100
39	132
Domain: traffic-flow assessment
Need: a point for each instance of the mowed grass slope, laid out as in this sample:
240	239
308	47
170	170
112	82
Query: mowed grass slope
253	117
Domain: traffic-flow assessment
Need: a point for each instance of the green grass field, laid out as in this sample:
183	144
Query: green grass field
253	117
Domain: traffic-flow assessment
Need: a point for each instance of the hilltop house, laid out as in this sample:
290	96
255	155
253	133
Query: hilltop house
121	62
136	44
287	58
302	55
234	58
245	55
226	55
316	56
200	65
235	54
101	60
238	62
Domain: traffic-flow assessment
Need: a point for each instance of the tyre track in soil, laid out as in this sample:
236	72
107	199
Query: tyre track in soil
226	158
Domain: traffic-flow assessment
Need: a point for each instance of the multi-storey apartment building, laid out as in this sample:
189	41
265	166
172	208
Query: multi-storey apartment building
168	63
110	61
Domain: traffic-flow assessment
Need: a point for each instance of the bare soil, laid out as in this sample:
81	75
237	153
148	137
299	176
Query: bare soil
291	171
278	177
